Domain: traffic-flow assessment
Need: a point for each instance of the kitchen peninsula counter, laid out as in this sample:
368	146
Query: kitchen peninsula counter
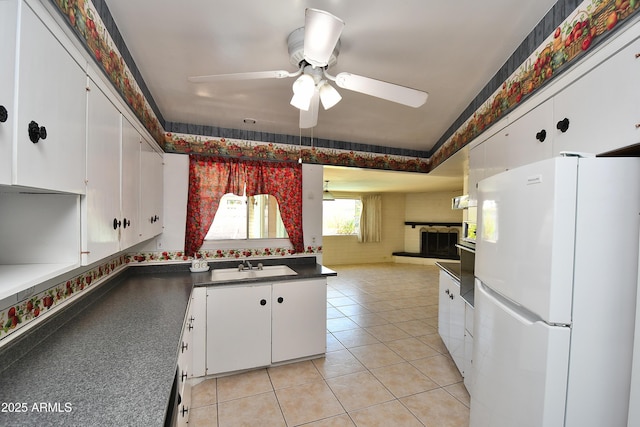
451	268
112	363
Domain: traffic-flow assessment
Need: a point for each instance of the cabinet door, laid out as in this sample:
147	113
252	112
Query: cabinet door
151	185
130	185
199	324
299	319
603	107
8	28
238	328
526	133
51	92
444	308
101	205
456	337
476	172
496	157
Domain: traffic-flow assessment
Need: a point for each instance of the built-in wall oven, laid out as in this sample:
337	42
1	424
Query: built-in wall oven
467	276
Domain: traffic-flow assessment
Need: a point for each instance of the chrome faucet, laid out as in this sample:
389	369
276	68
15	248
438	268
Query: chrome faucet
246	265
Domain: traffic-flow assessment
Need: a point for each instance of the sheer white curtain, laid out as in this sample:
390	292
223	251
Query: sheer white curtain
370	219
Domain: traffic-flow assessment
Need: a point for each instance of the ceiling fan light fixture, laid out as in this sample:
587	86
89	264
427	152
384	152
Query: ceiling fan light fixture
321	34
329	96
303	89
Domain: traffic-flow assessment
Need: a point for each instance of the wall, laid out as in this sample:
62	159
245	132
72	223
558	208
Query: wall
346	249
427	207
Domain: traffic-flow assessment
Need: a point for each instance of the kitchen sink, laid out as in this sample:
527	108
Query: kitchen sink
232	274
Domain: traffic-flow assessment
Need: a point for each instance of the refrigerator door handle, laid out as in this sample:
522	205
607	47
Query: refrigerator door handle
517	311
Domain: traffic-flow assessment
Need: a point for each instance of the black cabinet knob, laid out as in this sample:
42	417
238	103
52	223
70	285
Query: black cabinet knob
563	125
116	223
4	115
263	302
36	132
280	300
542	135
126	222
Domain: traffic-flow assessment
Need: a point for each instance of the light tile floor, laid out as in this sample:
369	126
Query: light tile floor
385	364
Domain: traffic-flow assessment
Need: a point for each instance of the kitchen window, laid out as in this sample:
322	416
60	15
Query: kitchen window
341	217
242	217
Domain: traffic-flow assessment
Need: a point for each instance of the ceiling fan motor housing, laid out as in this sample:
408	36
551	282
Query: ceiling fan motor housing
295	42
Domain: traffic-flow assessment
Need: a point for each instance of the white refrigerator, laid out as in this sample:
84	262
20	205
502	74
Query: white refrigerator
555	294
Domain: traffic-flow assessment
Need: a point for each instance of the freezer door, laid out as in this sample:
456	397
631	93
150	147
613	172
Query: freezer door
525	239
520	368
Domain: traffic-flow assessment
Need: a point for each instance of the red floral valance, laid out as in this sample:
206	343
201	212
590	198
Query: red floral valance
211	177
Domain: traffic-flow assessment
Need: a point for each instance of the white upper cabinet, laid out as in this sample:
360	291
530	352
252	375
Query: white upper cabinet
8	25
602	107
531	136
128	224
45	104
101	205
151	187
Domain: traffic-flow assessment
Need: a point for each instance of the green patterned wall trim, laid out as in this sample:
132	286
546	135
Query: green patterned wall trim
83	18
588	24
36	306
195	144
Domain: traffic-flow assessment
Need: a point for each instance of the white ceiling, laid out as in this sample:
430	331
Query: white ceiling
448	49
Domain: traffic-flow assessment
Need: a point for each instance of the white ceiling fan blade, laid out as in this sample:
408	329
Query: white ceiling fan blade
389	91
309	118
321	34
276	74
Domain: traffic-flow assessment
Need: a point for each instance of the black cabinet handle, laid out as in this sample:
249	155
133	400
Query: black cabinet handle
116	223
280	300
542	135
184	411
154	219
36	132
126	222
263	302
4	115
184	376
184	347
563	125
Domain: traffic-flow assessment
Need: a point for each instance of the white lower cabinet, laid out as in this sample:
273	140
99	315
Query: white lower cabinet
199	324
185	362
468	346
298	319
451	318
238	327
259	325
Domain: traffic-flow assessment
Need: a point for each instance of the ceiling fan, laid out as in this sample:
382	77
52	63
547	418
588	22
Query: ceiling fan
314	48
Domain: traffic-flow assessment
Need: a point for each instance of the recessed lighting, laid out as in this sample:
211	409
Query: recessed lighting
250	121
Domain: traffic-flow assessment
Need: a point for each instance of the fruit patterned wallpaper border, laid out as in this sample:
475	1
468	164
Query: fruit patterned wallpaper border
35	307
187	144
218	254
85	21
588	25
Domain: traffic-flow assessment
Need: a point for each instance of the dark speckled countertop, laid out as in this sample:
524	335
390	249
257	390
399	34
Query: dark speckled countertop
112	363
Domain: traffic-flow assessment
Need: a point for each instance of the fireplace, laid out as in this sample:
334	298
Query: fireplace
439	243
